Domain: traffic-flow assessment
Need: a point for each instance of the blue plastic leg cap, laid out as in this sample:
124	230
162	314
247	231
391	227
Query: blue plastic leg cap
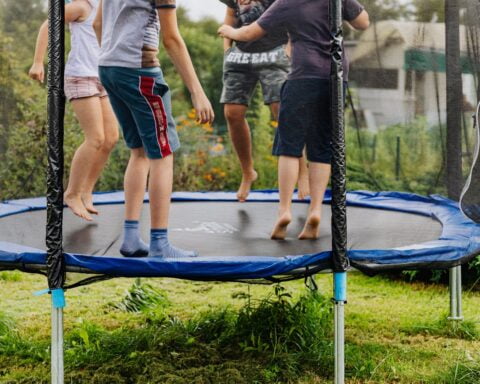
58	298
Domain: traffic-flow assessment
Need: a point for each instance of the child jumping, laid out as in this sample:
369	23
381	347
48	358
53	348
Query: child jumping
89	101
130	70
305	119
263	61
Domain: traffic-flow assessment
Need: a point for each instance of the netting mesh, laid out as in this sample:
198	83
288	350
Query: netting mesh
399	92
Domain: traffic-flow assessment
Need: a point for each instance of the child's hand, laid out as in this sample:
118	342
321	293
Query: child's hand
37	72
203	109
227	32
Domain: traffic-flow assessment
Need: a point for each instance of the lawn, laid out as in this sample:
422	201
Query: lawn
189	332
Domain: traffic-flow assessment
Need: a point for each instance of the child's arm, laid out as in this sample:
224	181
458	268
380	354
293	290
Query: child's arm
37	72
248	33
177	50
361	22
75	11
230	19
98	22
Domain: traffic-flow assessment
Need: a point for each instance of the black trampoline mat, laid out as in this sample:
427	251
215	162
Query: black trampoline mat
226	229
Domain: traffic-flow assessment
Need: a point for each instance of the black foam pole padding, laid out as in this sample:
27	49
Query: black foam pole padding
454	99
339	187
56	112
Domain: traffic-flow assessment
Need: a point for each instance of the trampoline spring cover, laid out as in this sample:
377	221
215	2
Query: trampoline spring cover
458	243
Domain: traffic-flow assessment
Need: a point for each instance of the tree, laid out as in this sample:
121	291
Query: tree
387	9
21	20
8	110
429	10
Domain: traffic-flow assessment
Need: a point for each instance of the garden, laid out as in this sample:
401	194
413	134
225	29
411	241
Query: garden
173	331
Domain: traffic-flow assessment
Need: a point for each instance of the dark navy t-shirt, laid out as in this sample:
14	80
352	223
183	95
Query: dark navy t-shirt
248	11
308	23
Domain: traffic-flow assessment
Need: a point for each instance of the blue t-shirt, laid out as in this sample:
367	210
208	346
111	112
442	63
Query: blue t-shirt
308	23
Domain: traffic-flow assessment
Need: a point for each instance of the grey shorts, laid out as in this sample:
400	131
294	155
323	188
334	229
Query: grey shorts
242	71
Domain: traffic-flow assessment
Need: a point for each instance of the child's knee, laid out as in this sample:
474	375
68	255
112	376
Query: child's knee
234	113
110	142
97	141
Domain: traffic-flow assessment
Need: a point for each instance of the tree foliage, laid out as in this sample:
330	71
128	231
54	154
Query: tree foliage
20	21
387	9
429	10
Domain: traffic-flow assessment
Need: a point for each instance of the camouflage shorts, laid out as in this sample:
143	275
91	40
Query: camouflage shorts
242	71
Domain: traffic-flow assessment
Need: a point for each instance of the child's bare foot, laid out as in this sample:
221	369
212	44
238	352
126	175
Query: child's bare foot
280	230
303	187
311	231
88	203
75	203
246	186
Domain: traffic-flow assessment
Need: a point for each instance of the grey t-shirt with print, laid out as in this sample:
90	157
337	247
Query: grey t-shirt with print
247	12
308	24
130	32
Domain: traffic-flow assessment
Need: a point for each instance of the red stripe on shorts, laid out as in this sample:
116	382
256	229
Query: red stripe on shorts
155	102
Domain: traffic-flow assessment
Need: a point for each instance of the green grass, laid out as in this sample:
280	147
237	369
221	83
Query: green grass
172	331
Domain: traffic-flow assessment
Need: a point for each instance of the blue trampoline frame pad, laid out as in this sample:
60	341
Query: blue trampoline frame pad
458	244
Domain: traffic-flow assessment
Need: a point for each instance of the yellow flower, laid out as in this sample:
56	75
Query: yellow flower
217	148
274	124
207	127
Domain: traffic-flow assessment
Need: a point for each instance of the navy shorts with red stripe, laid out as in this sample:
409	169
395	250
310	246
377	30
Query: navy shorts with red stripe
142	103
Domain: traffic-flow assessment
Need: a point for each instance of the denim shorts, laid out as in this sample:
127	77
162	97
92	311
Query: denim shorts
142	103
305	120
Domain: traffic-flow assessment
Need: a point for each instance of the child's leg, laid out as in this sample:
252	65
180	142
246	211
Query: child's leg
160	191
110	130
319	177
303	179
242	142
303	187
88	112
135	185
287	179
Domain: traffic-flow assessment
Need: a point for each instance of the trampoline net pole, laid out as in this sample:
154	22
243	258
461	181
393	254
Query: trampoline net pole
56	112
340	299
339	188
54	234
454	95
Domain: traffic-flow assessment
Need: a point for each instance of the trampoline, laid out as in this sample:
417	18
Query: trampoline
387	231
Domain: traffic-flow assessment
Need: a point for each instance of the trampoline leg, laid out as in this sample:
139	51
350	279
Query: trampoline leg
311	283
340	299
57	337
456	310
